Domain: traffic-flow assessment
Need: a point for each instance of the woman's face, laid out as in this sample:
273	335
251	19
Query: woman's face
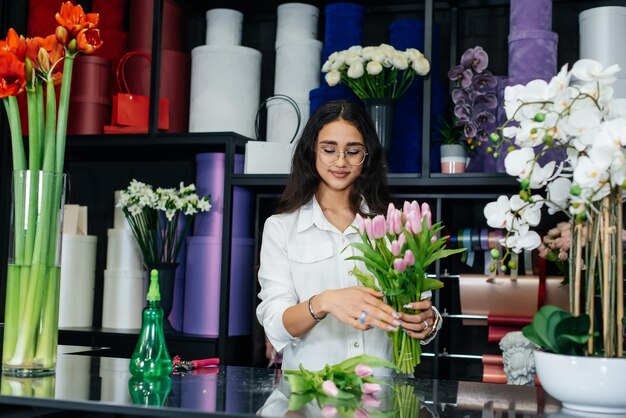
340	152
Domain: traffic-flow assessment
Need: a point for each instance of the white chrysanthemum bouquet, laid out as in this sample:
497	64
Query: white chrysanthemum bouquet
375	72
154	216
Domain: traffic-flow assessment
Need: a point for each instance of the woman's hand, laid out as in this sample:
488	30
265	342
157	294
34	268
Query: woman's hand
358	306
419	326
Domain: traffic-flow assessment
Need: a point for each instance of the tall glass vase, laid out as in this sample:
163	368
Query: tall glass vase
167	276
381	111
33	275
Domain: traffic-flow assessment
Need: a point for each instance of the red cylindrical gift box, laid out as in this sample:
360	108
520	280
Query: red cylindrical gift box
90	100
174	84
113	48
140	28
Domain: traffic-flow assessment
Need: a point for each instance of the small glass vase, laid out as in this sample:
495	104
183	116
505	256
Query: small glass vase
167	276
33	274
381	111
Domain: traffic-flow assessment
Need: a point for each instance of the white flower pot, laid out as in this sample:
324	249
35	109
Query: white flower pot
591	384
453	158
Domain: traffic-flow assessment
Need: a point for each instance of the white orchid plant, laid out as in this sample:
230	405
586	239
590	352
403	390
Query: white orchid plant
375	72
575	111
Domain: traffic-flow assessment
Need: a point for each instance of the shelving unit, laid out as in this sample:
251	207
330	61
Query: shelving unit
148	154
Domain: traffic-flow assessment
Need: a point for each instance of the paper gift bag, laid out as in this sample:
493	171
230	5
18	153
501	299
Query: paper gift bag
134	109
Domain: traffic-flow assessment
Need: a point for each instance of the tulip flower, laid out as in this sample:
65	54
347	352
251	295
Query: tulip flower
360	223
361	413
329	388
399	265
369	388
329	411
370	400
363	370
409	258
379	227
396	248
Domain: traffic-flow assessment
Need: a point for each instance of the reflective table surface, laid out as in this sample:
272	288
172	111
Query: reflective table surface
102	386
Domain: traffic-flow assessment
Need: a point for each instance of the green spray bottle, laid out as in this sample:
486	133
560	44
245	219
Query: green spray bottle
151	357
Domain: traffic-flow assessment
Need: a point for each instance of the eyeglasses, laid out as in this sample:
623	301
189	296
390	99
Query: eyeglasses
354	156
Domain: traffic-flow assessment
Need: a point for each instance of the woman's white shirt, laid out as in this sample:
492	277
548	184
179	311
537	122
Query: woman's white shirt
302	254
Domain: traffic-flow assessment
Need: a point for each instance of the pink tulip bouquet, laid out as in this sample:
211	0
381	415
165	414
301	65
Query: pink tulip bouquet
397	250
346	389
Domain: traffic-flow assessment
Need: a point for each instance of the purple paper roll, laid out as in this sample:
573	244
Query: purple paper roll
532	55
202	286
210	180
241	288
178	304
530	14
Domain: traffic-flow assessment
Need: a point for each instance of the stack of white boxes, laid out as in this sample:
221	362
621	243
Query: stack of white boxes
123	296
297	71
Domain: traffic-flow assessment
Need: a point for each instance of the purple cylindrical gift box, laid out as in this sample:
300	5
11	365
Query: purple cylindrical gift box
202	291
202	286
530	14
178	304
532	54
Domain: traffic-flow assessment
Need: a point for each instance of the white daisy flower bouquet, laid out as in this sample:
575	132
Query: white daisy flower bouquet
575	111
154	217
375	72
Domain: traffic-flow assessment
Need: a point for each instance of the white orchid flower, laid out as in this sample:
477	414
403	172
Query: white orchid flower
523	239
587	174
616	109
591	70
498	213
558	194
518	162
539	176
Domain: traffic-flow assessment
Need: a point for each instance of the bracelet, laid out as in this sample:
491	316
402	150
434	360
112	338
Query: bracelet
435	323
317	318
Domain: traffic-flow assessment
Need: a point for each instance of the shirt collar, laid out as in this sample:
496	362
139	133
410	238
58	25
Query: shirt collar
311	214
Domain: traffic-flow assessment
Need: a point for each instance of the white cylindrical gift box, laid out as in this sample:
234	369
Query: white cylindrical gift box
122	251
296	21
282	119
78	274
602	32
114	386
123	299
297	67
73	377
619	86
225	89
119	219
223	27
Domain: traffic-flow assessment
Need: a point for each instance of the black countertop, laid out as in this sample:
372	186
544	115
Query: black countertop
86	385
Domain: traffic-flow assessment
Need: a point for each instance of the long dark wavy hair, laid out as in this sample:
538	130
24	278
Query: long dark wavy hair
304	180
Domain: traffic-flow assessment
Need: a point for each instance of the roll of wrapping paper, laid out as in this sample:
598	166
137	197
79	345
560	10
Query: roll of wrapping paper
494	373
475	240
502	297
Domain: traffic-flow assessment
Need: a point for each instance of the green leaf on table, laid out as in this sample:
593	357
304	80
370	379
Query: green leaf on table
298	383
348	365
297	401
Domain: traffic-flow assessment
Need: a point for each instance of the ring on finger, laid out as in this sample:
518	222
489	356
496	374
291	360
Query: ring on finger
425	325
361	319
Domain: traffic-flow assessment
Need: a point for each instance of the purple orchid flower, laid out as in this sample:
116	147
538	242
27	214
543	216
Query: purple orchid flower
484	81
460	96
463	112
484	101
482	118
469	130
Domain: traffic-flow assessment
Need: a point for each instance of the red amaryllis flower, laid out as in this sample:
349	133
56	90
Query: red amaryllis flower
74	19
14	43
12	76
88	40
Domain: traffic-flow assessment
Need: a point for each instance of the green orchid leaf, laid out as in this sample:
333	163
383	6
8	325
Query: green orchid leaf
529	332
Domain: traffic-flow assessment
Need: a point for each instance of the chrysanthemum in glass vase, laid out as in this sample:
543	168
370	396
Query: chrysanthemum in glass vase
160	221
576	111
378	75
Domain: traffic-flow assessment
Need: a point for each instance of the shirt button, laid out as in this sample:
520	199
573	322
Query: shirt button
350	273
356	344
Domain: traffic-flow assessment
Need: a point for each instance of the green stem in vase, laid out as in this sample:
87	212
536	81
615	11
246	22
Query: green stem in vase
64	99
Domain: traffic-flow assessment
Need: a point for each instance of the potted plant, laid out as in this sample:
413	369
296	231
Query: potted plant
581	360
453	151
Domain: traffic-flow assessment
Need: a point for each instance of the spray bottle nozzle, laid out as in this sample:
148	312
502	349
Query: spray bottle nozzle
153	291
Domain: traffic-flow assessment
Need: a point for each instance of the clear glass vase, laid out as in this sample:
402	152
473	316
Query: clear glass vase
33	274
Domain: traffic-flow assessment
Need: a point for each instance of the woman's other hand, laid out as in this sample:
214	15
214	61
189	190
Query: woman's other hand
420	326
360	307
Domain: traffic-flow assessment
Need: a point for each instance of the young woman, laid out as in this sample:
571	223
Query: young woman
312	308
